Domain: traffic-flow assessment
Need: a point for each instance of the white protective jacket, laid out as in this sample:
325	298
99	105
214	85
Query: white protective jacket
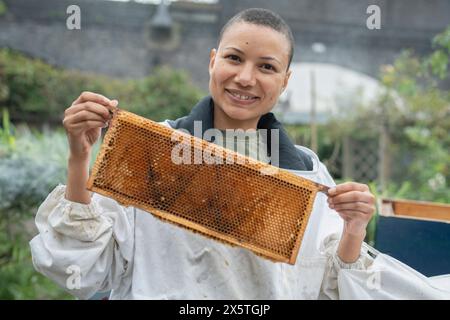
138	256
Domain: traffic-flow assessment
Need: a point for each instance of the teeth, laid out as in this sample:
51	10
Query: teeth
242	97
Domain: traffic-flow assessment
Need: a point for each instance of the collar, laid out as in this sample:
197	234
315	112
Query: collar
289	156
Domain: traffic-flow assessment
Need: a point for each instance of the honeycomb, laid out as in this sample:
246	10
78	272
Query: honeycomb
230	202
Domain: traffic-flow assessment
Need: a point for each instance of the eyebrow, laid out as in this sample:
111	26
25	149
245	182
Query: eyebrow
264	58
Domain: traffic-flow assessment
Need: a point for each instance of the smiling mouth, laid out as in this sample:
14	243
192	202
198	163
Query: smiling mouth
241	96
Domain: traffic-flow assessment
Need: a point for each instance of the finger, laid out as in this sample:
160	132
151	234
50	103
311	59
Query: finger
89	125
95	97
356	206
91	107
83	116
346	187
352	196
91	96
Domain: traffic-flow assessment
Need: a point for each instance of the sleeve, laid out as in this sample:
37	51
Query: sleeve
375	276
83	248
330	284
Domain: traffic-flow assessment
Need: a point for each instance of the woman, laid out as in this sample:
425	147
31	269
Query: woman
137	256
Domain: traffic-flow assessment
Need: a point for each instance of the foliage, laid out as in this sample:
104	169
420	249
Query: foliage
28	171
33	88
420	129
414	112
164	95
7	139
32	163
3	8
18	277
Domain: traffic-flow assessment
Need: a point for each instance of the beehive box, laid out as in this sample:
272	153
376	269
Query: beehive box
416	233
233	203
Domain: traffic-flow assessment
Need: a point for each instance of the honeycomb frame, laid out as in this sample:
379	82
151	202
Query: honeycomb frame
232	203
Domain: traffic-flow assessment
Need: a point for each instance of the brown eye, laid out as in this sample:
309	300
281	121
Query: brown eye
267	66
233	57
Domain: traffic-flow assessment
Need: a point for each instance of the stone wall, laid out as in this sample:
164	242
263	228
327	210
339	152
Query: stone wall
116	37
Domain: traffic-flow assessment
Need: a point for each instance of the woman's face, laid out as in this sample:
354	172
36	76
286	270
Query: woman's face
248	72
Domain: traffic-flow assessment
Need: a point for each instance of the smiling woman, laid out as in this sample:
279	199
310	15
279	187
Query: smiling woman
114	246
248	72
250	68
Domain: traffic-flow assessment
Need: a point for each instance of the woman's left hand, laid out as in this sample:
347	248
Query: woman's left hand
355	204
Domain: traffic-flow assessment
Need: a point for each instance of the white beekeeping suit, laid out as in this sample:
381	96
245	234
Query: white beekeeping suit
137	256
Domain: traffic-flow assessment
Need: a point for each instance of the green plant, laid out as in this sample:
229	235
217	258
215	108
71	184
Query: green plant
7	139
3	8
37	162
412	115
371	229
17	275
34	90
420	129
27	173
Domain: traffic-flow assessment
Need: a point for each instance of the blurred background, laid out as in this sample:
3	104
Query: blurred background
373	102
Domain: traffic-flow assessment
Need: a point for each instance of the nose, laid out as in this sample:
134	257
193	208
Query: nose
246	76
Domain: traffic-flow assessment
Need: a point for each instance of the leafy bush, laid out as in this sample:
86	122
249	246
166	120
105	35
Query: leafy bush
31	164
413	112
32	88
3	8
17	275
419	125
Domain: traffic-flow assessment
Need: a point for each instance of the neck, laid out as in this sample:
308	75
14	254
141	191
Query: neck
222	121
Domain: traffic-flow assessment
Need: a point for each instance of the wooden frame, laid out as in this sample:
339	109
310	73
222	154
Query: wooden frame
416	209
237	205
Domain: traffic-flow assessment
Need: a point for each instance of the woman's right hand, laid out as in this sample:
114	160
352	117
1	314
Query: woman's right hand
84	121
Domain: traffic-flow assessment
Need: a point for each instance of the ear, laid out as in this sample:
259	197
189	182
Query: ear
212	59
286	80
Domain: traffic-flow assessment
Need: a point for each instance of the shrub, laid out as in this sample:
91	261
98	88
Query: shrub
32	89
